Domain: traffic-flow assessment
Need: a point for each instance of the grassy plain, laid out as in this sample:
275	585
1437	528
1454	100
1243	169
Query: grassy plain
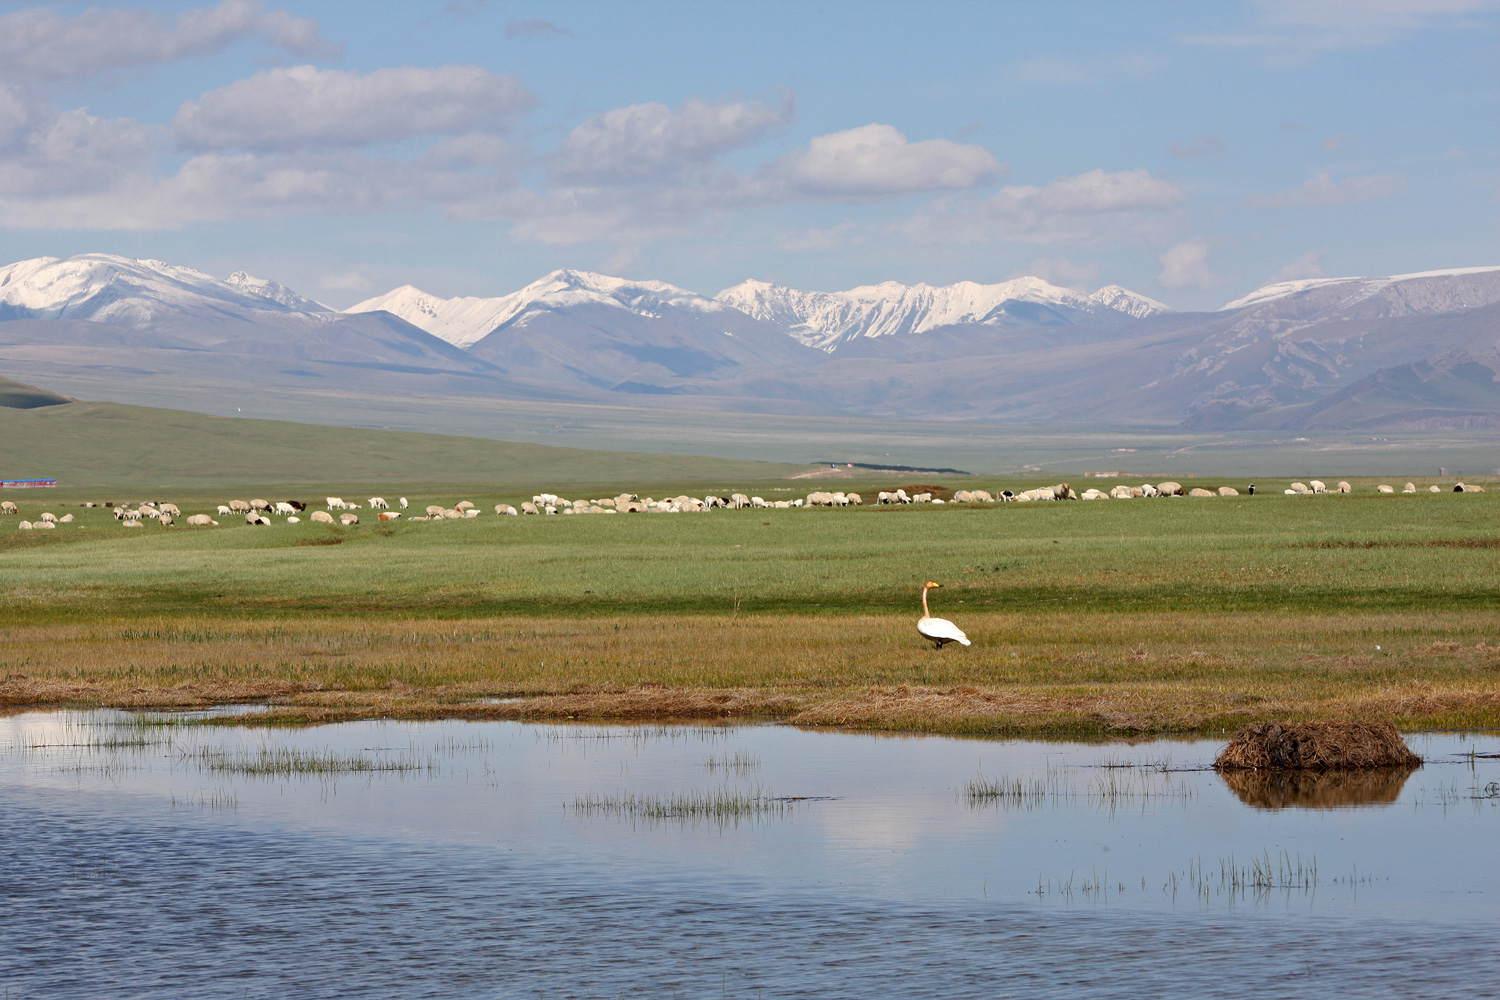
1088	618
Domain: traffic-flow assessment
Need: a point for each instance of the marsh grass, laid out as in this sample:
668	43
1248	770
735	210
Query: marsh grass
719	806
290	762
1065	786
740	763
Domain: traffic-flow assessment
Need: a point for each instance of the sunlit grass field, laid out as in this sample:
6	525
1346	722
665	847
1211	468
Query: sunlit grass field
1087	617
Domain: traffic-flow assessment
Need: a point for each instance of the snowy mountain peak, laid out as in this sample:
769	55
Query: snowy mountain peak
107	288
274	291
827	319
1440	291
1128	302
464	322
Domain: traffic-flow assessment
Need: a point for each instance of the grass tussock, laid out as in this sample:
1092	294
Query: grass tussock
719	805
1316	746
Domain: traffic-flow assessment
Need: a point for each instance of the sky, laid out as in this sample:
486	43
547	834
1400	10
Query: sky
1190	152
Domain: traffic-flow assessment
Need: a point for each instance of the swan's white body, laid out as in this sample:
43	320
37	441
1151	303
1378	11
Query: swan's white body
940	630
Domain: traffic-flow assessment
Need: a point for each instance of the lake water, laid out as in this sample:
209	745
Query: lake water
480	859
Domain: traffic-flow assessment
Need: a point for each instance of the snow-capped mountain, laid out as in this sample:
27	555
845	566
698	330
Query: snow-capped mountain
465	321
826	319
1424	293
105	288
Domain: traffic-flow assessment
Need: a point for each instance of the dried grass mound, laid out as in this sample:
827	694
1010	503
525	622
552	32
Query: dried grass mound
1316	746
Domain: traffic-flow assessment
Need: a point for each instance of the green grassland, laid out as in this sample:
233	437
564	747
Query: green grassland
1087	617
109	445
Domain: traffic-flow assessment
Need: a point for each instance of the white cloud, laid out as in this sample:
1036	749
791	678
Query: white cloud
305	107
1090	206
1298	28
654	143
533	28
1060	271
1204	145
1323	190
37	45
877	161
1309	265
349	281
1333	142
71	152
1186	266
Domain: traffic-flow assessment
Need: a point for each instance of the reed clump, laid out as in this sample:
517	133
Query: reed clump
1317	746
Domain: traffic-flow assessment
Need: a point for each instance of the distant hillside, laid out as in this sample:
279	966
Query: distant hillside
20	396
112	445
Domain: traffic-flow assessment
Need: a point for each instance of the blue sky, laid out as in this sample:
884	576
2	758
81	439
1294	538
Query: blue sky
1188	151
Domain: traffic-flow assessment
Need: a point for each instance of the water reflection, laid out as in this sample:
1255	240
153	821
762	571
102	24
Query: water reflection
1318	789
158	855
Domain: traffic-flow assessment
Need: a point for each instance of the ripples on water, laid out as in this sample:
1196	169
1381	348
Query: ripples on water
462	860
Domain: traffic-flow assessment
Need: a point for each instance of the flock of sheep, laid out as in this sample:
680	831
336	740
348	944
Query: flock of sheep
260	512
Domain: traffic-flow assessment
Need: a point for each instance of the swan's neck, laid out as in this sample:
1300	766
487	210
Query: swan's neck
925	612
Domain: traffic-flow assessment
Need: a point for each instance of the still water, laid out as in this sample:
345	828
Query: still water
152	856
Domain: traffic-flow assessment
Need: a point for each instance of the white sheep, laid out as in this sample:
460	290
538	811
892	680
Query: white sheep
239	507
403	503
65	519
284	509
8	507
335	503
292	520
504	508
224	510
24	526
48	516
1382	488
389	515
378	503
321	517
48	525
347	519
202	520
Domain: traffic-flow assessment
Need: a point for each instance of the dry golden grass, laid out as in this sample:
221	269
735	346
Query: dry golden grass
1061	673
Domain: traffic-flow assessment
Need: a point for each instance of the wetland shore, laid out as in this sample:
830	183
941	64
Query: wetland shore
1093	619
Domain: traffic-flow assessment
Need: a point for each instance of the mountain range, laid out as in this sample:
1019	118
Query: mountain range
1404	350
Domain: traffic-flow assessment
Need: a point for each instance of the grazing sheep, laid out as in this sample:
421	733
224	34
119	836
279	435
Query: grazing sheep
65	519
434	510
1093	494
321	517
261	505
170	508
403	503
1434	489
389	515
8	507
855	500
48	516
131	523
347	519
1228	491
239	507
224	510
1198	491
25	526
46	525
1300	488
1344	487
1409	488
284	509
505	508
1318	486
1123	492
453	514
254	517
1382	488
378	503
290	520
201	520
335	503
463	505
1169	489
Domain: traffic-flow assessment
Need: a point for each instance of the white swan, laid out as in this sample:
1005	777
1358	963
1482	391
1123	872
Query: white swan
939	630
